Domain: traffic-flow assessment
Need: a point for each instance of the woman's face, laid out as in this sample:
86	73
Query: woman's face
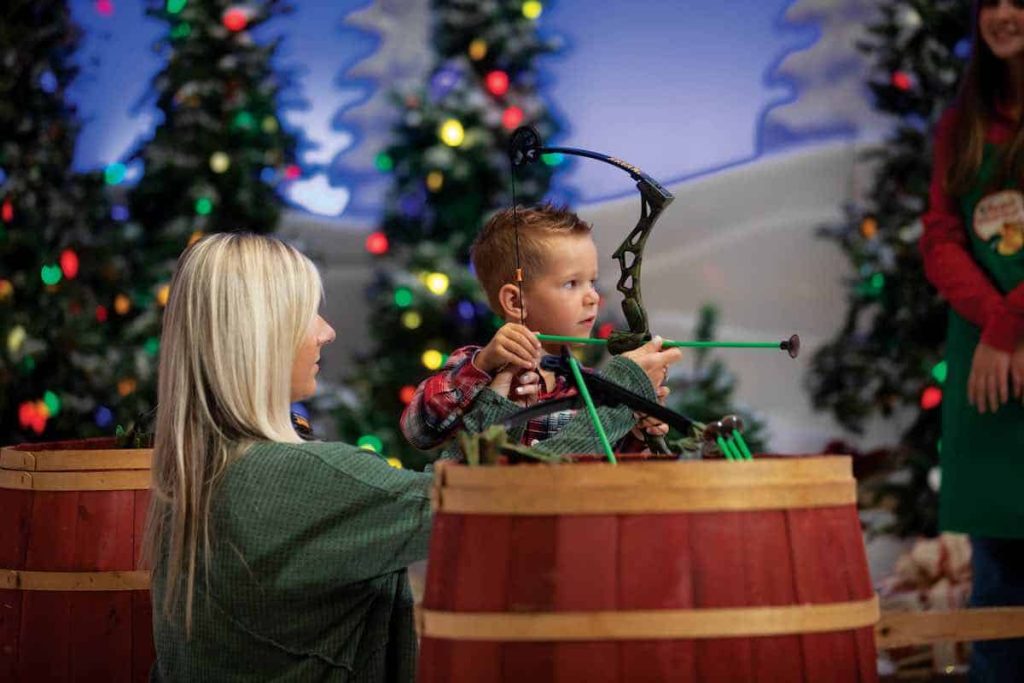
307	358
1001	23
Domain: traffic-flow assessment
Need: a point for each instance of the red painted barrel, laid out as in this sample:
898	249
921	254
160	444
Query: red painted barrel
73	605
649	571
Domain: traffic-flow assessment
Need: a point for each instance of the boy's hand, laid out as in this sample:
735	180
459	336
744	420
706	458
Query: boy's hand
988	383
512	345
653	361
517	386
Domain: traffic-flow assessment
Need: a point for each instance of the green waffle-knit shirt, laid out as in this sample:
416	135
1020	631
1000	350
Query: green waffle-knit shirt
307	582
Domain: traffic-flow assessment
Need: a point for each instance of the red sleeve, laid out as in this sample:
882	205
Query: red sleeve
948	263
440	402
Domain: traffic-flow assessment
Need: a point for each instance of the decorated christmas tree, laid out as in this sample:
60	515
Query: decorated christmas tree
219	152
887	356
73	360
449	168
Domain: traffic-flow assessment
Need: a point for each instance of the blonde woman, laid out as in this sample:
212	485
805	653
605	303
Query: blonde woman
273	558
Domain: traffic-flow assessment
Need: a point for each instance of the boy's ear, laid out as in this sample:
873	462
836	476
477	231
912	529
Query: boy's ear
509	300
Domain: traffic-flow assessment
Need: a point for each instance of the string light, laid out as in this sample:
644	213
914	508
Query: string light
52	401
940	371
406	394
532	9
512	117
477	49
219	162
235	19
152	346
204	205
869	227
101	314
182	30
195	237
103	417
403	297
902	81
126	386
163	294
175	6
122	304
552	158
269	125
292	172
119	213
452	133
15	338
412	320
51	274
377	243
931	397
6	289
7	211
437	283
383	162
432	359
244	120
105	7
370	442
605	330
395	462
69	263
497	82
435	181
466	310
114	173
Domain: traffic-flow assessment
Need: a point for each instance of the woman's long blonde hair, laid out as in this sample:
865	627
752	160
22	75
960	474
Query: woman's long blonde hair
240	304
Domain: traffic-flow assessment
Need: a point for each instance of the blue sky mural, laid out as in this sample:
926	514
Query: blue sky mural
678	88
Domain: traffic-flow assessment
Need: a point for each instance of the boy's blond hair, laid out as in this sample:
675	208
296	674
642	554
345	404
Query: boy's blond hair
494	249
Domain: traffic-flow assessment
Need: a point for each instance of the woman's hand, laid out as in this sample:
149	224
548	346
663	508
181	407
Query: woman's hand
654	361
516	385
988	383
651	425
1017	371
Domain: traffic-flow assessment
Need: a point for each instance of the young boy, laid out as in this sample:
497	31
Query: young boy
558	296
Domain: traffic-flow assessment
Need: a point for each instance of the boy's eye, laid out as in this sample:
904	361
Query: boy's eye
570	284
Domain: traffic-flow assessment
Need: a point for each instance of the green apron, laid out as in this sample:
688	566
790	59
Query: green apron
982	456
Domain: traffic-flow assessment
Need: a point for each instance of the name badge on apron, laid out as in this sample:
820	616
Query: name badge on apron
999	221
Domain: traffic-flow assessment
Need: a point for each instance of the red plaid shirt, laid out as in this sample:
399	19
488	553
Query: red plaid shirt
436	410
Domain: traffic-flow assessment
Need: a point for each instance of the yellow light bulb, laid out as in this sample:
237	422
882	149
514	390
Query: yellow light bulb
435	181
15	338
219	162
432	359
163	294
395	462
437	283
477	49
412	319
195	237
532	9
452	133
122	304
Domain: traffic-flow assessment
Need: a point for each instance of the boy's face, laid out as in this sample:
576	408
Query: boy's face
562	299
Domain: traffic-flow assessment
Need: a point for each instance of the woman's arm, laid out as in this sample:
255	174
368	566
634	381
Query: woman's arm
948	263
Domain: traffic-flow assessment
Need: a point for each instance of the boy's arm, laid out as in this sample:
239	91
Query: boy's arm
578	435
440	403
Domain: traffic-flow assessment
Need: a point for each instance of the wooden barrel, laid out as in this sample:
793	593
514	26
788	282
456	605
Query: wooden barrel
653	571
73	606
